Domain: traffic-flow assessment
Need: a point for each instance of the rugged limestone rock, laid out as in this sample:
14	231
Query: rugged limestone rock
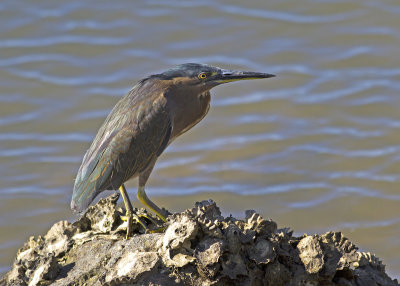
199	247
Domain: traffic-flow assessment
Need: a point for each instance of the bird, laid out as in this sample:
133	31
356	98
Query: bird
157	110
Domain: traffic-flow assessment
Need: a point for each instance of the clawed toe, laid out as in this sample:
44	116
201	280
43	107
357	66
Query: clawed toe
130	218
141	218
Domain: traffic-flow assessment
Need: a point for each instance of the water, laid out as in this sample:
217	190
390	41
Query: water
316	148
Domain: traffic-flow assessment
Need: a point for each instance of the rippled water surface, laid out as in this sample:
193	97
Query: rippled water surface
316	148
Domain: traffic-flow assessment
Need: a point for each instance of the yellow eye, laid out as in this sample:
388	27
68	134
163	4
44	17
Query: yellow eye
203	75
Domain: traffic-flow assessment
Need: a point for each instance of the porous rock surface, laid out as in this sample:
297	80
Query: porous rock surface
198	247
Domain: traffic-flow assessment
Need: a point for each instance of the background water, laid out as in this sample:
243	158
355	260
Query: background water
316	148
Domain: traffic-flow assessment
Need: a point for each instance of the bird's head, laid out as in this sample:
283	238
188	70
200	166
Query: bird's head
204	77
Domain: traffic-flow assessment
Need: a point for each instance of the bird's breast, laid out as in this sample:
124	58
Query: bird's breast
189	111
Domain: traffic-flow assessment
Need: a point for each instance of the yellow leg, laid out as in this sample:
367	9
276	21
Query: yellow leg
125	197
141	194
130	216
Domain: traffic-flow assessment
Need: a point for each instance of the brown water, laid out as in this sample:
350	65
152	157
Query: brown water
316	148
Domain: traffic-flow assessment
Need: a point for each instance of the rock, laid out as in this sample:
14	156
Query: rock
176	244
311	254
198	247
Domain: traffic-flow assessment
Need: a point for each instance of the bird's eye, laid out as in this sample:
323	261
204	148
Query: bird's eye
203	75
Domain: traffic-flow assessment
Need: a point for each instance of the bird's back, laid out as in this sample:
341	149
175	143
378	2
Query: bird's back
132	135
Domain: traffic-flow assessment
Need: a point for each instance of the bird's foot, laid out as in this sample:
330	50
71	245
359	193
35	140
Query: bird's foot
158	230
130	218
156	224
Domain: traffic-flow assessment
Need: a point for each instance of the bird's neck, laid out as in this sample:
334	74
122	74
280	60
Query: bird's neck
187	110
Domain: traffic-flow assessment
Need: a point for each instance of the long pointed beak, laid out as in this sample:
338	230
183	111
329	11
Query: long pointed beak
229	76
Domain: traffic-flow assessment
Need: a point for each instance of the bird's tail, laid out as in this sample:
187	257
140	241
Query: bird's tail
85	191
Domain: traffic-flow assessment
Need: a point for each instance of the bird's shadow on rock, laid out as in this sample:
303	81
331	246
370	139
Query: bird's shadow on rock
65	269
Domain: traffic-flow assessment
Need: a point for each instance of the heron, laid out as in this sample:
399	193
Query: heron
157	110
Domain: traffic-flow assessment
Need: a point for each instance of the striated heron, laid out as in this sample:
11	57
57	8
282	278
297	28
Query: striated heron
142	124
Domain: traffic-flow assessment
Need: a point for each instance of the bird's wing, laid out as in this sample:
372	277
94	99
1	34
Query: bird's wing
132	136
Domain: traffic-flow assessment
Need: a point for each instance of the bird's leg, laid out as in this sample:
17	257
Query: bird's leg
130	216
141	194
